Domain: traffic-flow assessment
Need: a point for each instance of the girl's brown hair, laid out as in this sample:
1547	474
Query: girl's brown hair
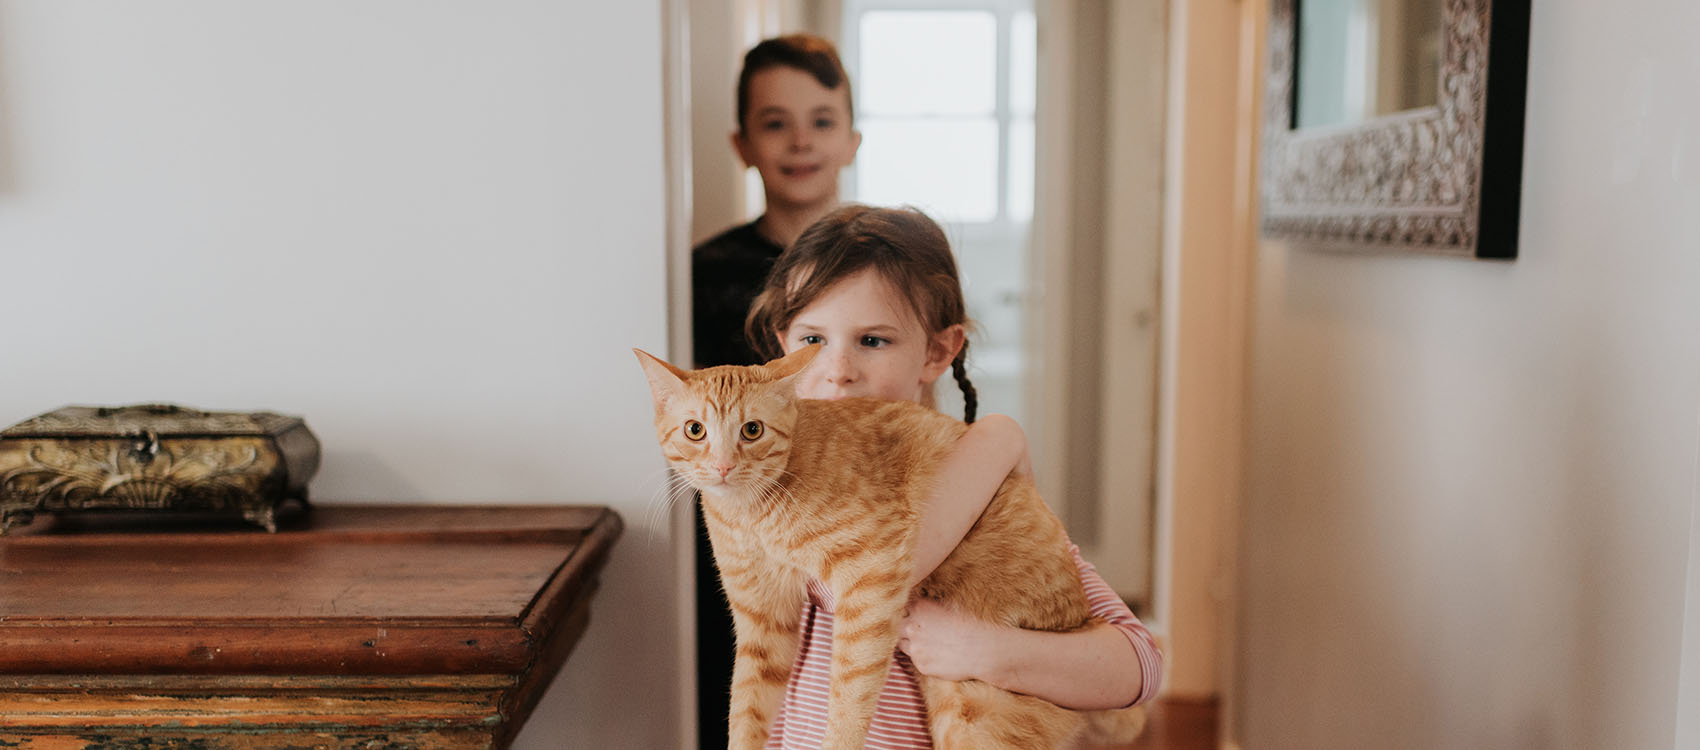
905	247
806	52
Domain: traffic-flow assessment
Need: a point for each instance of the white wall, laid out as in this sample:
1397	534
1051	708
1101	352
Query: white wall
717	175
1470	484
433	229
1688	687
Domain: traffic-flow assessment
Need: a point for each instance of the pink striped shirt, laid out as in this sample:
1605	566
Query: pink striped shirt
900	720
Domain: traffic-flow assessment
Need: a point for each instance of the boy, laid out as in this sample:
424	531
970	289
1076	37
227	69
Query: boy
796	127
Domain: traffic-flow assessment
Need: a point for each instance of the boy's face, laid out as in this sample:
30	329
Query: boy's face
797	134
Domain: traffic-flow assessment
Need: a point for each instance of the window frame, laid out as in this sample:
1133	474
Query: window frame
1004	12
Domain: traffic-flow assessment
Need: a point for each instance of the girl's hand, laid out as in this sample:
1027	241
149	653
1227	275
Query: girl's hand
1090	669
948	644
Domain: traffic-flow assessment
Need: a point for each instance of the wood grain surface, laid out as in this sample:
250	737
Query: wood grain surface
377	627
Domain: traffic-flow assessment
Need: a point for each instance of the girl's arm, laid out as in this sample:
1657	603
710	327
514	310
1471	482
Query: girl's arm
992	447
1109	665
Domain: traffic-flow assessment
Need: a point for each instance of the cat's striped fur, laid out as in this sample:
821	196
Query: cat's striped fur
833	490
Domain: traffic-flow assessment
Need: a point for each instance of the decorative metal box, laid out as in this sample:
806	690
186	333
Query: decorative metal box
155	458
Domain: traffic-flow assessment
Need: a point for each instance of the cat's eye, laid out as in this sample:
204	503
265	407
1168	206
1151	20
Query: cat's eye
752	430
694	430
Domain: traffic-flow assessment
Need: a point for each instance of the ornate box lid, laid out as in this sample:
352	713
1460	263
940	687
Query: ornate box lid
155	459
161	420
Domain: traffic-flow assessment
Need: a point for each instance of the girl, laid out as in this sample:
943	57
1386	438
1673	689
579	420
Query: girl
878	290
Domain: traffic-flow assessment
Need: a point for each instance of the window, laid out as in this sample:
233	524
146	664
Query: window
945	95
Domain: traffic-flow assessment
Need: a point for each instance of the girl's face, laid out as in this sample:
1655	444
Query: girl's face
871	343
797	134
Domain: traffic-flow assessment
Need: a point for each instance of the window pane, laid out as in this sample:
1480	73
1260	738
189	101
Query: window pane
1020	194
945	167
1023	63
928	62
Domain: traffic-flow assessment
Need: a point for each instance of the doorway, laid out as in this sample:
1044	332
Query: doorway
1039	146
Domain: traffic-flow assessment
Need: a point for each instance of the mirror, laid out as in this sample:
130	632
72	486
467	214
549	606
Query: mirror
1395	124
1358	59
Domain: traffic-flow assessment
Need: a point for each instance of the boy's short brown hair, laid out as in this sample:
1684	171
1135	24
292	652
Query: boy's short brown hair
806	52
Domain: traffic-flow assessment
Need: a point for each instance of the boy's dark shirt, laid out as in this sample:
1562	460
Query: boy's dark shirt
727	271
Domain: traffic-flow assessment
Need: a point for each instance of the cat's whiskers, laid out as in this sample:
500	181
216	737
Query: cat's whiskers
782	488
659	509
773	490
657	497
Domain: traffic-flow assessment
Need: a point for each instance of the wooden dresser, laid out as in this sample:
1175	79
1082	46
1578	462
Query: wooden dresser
376	628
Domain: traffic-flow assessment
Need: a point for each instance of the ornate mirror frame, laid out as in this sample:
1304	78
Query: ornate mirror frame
1444	179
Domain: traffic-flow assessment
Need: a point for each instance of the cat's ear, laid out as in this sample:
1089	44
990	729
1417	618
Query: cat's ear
793	363
665	380
786	369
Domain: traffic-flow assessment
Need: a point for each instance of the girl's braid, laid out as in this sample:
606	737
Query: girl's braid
970	399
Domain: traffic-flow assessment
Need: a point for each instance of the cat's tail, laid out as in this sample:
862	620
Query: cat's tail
1117	726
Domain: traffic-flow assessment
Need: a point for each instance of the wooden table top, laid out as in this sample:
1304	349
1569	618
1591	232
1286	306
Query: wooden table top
378	590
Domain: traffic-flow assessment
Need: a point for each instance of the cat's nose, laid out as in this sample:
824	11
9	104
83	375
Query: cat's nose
724	469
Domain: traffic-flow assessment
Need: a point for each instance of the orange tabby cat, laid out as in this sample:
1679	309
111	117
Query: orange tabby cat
794	488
